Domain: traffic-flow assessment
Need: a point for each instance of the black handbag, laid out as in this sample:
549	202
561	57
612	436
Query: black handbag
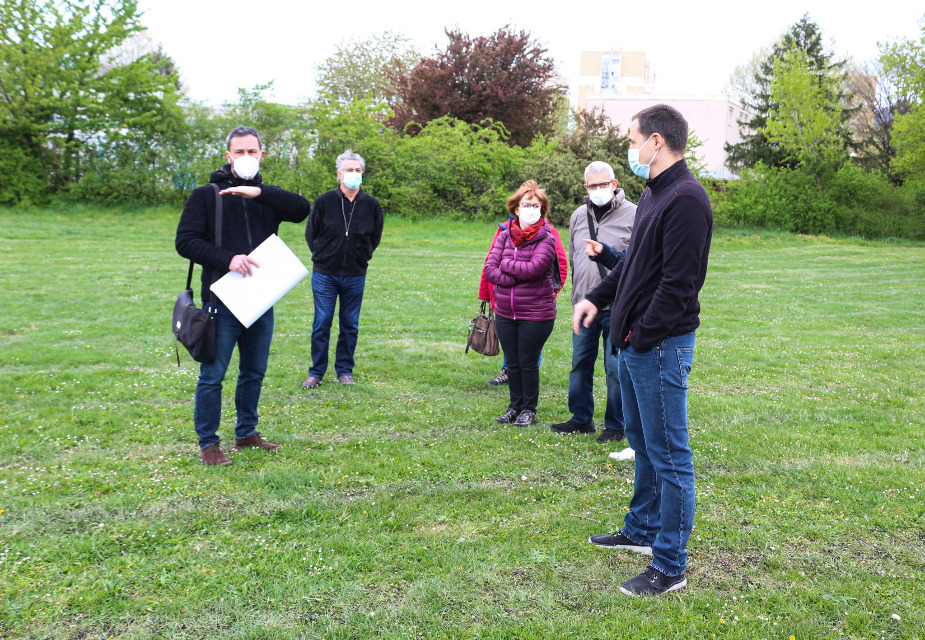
483	337
193	327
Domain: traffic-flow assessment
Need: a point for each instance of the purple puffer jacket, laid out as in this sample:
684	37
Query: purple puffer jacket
523	286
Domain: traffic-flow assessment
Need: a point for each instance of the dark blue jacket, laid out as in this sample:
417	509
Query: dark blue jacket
654	289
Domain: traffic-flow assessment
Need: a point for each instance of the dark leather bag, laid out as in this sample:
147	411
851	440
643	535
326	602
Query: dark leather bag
193	327
483	337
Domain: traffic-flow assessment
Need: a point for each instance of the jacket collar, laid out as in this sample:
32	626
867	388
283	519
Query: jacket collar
667	177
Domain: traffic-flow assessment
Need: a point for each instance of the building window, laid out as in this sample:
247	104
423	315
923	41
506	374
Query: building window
610	72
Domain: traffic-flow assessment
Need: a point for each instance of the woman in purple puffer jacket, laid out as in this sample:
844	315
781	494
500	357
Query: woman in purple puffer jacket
520	266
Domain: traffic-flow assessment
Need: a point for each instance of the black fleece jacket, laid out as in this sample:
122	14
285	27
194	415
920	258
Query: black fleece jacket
245	222
342	243
654	289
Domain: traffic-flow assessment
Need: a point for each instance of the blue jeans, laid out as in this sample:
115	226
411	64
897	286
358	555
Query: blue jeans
654	385
581	380
522	341
325	291
253	355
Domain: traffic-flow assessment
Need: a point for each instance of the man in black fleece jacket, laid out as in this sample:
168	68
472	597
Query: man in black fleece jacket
343	230
251	213
655	312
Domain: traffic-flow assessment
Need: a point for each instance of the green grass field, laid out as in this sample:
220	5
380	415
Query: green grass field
399	509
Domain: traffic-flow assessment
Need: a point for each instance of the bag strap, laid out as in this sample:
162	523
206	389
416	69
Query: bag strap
218	230
592	231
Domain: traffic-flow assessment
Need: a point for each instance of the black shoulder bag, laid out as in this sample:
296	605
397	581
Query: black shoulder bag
195	327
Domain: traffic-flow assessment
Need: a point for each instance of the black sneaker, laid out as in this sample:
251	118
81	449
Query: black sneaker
653	582
501	379
570	426
525	419
619	541
611	435
508	416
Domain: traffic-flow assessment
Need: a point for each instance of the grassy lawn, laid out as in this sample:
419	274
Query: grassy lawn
399	509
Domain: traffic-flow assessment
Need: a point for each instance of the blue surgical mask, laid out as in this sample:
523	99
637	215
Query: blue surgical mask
352	180
632	156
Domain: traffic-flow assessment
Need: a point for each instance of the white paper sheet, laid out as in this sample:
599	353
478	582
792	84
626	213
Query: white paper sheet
249	298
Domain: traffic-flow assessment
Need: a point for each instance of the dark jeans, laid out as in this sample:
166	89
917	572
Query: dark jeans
325	291
253	355
522	341
585	348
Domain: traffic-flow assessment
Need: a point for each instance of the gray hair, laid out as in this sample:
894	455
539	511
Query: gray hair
349	155
598	167
240	132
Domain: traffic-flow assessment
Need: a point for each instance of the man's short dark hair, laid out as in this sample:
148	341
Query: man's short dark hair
240	132
666	121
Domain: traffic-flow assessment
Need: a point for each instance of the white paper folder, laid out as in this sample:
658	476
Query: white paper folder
249	298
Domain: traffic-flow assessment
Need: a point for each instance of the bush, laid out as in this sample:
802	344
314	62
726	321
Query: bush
847	200
450	169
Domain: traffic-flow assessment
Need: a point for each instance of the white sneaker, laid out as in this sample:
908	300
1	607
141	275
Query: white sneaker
626	454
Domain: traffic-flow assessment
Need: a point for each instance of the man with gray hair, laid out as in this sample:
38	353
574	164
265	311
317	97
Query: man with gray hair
343	230
604	220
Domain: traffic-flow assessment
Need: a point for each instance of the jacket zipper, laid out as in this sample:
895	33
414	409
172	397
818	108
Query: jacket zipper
514	313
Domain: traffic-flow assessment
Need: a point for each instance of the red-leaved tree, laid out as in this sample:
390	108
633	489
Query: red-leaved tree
505	76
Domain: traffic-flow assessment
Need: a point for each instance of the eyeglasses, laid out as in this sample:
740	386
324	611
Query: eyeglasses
530	205
600	185
357	170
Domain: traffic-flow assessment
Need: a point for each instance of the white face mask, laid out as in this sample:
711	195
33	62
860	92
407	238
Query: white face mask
528	216
246	167
600	197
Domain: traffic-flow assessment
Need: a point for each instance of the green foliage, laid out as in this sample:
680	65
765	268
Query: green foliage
847	200
366	70
805	120
904	63
759	101
70	113
451	169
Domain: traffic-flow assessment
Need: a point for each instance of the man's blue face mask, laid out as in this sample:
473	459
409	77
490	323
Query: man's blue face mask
632	156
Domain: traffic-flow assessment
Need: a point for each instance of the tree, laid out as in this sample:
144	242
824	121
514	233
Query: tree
756	147
365	70
804	122
505	77
880	103
904	64
58	102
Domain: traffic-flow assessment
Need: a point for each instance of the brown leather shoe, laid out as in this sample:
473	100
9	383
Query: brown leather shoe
213	456
255	440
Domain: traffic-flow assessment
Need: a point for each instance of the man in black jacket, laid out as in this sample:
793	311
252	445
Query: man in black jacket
251	213
343	230
654	314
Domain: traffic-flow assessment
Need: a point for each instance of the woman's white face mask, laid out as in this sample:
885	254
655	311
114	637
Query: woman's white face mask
528	215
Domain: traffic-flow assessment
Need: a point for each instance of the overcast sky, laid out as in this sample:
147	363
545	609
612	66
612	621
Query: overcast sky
221	46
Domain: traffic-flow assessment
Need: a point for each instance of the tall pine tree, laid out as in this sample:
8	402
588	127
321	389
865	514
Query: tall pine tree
831	74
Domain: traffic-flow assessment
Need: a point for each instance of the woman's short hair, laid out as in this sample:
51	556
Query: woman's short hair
531	188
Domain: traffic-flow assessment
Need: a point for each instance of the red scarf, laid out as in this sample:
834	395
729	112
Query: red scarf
520	236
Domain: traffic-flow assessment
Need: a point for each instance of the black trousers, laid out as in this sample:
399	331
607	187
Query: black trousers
522	342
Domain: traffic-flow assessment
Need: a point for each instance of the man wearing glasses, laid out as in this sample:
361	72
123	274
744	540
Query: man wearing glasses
343	230
606	218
